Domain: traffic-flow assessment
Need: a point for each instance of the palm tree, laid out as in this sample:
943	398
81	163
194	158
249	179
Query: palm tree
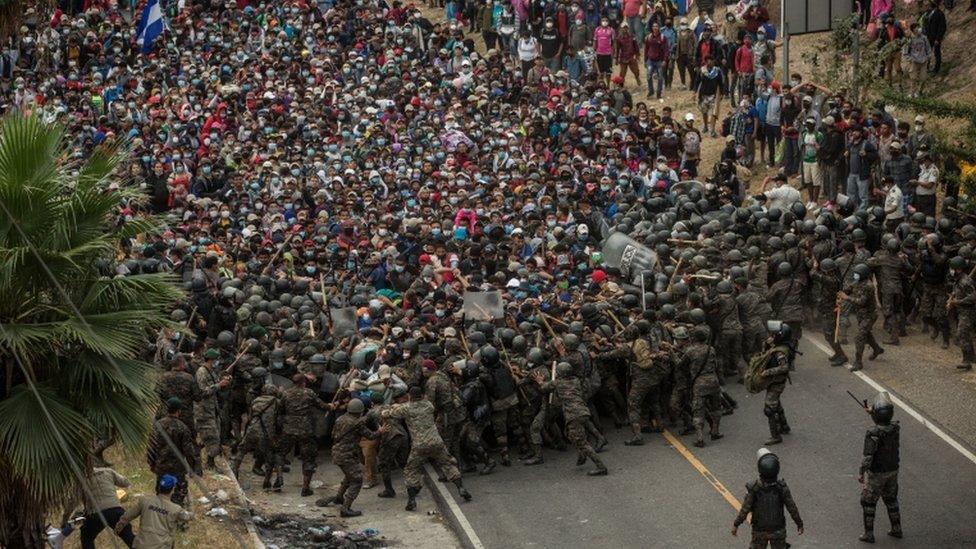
70	338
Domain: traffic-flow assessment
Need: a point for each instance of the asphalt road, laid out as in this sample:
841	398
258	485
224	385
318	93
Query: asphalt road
656	497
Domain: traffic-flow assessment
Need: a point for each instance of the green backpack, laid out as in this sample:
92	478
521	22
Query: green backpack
753	379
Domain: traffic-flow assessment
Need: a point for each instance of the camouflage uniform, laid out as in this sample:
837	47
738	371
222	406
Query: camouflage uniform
575	413
166	457
347	432
183	386
206	411
425	442
888	269
765	500
700	361
777	373
964	302
754	311
728	345
441	392
829	284
260	436
786	298
932	304
298	426
861	296
880	466
393	443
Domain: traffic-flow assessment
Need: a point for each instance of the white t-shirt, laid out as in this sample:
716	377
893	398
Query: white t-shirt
928	174
893	204
782	197
527	49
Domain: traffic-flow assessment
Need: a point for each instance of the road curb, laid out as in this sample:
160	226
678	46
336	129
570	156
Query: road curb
241	497
450	510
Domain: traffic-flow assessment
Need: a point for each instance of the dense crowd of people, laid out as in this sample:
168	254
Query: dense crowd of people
409	250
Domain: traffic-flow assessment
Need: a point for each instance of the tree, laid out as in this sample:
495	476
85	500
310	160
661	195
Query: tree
70	338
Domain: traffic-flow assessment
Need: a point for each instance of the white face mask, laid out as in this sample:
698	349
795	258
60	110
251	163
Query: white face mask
857	277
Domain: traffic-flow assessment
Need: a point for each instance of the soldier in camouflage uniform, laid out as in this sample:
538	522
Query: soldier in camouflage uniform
449	412
538	406
880	465
410	369
828	282
754	311
500	383
240	371
700	360
393	449
728	345
889	268
260	436
425	444
206	410
348	431
962	300
575	412
861	295
681	385
179	383
171	450
934	268
297	427
766	499
775	374
786	298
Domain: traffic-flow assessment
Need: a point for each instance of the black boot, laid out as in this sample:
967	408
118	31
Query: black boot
462	491
868	535
601	469
536	458
637	440
894	515
412	498
306	480
346	512
699	436
858	353
388	491
774	437
266	485
784	427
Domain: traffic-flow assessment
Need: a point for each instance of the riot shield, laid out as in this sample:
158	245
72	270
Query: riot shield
630	256
343	321
486	306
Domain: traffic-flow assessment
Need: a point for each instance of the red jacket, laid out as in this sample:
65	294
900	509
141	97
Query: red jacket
656	48
744	60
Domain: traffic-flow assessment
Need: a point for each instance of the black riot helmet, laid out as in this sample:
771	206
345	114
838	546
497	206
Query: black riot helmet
571	342
536	356
882	409
957	263
489	356
768	465
781	331
784	269
862	271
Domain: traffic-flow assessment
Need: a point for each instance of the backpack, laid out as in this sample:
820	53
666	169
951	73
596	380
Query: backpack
753	380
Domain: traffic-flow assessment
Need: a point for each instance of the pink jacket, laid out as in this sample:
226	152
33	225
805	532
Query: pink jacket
466	215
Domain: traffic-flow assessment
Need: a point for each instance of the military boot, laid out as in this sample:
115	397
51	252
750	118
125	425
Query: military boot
601	469
784	427
858	353
894	515
839	357
876	350
699	436
536	458
774	436
347	512
601	443
235	467
278	483
266	485
388	491
868	535
306	480
637	439
412	498
462	491
945	338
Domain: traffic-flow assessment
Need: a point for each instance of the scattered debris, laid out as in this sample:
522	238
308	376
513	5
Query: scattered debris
203	500
221	495
290	531
217	512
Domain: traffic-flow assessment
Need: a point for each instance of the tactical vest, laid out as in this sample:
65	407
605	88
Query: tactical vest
767	511
886	456
502	385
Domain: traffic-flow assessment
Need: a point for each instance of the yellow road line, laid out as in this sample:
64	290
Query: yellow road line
712	479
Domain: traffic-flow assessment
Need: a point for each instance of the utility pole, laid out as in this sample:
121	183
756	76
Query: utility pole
785	30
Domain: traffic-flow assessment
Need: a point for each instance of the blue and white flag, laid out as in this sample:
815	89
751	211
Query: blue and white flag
150	26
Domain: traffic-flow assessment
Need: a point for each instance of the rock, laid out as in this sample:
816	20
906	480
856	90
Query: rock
203	500
316	484
217	512
221	495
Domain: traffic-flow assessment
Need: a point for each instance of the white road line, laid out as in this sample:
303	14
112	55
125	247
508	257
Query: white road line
462	520
902	404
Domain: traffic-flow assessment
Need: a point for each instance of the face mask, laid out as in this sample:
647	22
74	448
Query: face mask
439	313
399	268
310	269
225	214
857	277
